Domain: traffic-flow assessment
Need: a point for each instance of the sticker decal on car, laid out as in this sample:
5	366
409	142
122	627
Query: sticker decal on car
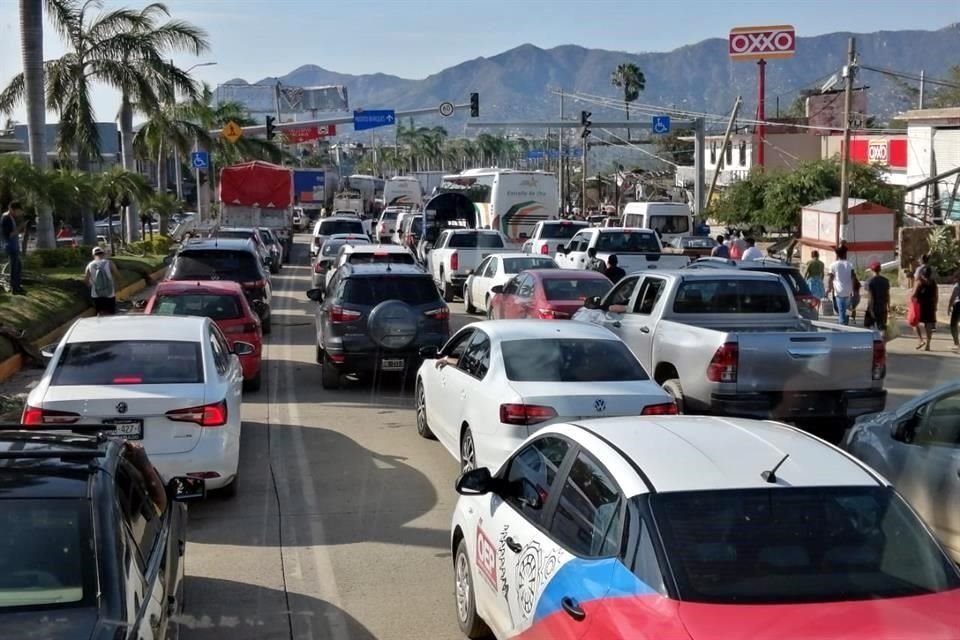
486	557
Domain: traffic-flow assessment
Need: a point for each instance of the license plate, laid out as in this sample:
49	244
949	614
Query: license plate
126	429
392	364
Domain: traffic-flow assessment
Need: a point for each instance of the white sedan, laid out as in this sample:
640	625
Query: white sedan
496	382
496	269
170	382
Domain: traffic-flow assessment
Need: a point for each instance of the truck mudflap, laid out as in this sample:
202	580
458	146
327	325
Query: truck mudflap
800	405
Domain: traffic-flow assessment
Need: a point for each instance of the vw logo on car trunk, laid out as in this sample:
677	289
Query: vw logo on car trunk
599	405
121	407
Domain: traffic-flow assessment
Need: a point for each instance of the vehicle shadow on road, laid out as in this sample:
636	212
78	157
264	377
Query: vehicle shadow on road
238	611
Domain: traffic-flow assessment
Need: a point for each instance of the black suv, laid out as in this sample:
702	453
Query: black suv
376	318
93	544
226	259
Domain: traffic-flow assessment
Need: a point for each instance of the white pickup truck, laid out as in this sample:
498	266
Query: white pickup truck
636	249
456	252
549	235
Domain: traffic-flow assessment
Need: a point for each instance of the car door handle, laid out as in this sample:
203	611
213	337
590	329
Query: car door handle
644	329
573	609
513	545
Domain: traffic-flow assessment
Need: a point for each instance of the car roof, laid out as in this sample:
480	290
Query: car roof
460	230
711	273
538	329
566	274
380	269
221	244
369	247
624	229
699	453
137	327
172	287
58	476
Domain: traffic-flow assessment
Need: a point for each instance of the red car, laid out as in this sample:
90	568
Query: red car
223	302
547	294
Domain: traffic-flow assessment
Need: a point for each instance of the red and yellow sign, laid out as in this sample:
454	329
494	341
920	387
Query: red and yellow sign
762	43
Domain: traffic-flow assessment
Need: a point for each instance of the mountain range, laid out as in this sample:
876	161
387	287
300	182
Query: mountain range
518	83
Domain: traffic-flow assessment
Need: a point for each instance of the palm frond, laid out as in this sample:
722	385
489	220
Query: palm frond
62	15
13	94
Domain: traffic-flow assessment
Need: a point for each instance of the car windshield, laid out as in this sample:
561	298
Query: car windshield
731	296
48	554
628	242
389	215
266	236
216	264
786	545
570	360
563	230
670	224
516	265
575	288
383	257
331	247
234	234
213	306
129	362
475	241
330	227
372	290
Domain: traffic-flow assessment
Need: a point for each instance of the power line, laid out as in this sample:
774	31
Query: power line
910	76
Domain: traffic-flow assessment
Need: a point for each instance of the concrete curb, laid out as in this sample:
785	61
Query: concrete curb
13	364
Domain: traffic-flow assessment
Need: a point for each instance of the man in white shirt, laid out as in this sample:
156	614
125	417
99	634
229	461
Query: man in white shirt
752	252
840	284
101	276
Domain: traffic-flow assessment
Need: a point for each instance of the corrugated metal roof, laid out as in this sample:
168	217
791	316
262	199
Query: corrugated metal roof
832	205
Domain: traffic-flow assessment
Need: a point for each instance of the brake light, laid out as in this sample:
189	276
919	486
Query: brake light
128	380
525	414
811	301
209	415
545	249
319	267
256	284
723	366
551	314
454	261
339	314
34	416
442	313
879	360
665	409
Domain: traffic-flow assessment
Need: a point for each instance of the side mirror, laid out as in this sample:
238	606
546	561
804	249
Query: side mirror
315	294
905	430
475	482
48	351
496	289
185	489
429	352
592	302
243	348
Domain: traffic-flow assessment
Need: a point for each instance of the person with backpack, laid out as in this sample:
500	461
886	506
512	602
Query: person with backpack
101	275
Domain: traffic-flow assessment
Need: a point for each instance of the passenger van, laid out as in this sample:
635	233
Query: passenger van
671	219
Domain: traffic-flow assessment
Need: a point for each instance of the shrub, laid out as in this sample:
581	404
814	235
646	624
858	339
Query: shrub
59	257
944	251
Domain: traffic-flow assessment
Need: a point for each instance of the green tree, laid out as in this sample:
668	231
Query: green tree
119	188
162	205
628	77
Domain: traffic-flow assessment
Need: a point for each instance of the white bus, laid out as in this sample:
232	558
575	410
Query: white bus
508	201
402	191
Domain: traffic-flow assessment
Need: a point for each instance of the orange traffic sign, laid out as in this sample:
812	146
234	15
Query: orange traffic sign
232	131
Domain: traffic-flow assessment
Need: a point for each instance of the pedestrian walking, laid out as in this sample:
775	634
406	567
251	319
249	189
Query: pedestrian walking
813	273
954	306
878	300
101	276
613	272
924	262
722	250
752	252
593	262
737	247
840	284
925	295
10	241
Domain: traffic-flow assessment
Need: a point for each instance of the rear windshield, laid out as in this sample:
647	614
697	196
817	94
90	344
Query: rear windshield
387	257
216	264
731	296
574	288
475	241
371	291
215	307
233	234
570	360
623	242
670	224
792	277
560	231
330	227
48	558
796	545
516	265
129	362
331	247
389	215
698	243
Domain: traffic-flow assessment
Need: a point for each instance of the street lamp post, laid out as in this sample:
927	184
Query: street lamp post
196	147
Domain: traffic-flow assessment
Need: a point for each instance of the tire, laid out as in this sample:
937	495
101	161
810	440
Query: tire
254	383
673	387
467	302
319	354
265	325
329	375
423	427
468	451
448	292
471	624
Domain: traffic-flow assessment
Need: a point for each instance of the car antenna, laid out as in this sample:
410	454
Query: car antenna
771	476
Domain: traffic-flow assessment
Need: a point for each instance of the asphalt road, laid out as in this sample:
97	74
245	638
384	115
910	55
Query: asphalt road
340	527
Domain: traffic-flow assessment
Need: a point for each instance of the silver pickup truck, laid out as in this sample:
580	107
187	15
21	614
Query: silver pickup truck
731	342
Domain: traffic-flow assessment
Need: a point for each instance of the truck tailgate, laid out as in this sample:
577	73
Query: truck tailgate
808	361
640	261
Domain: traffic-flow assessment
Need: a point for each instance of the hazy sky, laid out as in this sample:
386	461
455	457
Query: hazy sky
253	39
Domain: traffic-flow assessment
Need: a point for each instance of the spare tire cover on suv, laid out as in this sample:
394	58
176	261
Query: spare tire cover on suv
392	324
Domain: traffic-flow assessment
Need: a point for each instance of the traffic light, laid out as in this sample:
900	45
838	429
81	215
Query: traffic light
474	105
585	123
270	127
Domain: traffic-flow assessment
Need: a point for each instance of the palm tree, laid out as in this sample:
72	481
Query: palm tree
628	77
118	188
162	205
70	193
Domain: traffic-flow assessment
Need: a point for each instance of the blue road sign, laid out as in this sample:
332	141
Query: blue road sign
534	154
363	120
200	160
660	124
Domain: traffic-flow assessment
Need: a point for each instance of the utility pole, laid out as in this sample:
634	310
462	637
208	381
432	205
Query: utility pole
921	88
723	147
845	151
561	159
583	180
698	158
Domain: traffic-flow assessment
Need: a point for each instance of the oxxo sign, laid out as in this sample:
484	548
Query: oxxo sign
879	152
756	43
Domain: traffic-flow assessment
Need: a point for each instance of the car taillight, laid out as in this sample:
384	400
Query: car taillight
545	249
254	284
551	314
319	268
665	409
209	415
339	314
34	416
811	301
443	313
525	414
879	360
454	261
723	366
